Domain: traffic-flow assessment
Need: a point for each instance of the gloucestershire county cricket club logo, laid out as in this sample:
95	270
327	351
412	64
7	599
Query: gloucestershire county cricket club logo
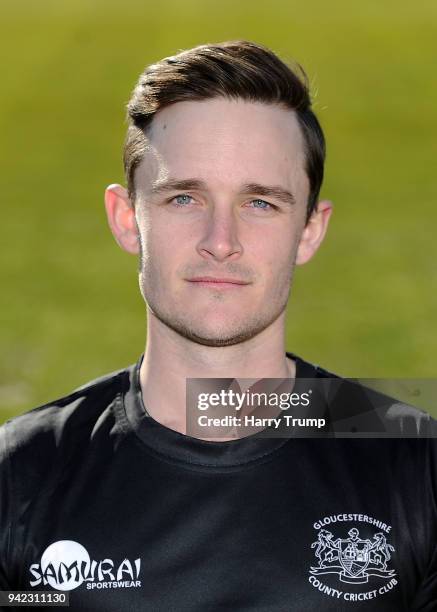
354	554
352	559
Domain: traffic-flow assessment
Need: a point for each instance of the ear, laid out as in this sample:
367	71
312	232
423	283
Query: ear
314	232
121	218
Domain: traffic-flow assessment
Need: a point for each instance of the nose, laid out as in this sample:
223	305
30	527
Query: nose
220	236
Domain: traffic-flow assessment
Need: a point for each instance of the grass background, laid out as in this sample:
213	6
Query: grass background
71	309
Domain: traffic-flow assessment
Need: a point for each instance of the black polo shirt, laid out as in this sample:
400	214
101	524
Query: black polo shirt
103	502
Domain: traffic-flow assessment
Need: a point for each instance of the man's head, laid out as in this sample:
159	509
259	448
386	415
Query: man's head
224	163
236	70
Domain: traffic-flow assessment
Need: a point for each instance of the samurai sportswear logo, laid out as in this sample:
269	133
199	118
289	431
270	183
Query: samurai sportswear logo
65	565
352	559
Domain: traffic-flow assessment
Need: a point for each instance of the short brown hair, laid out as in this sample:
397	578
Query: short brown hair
236	70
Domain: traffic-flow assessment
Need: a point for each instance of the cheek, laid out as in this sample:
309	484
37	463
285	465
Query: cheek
276	252
153	236
165	253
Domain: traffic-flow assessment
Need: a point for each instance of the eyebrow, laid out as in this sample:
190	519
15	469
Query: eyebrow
270	191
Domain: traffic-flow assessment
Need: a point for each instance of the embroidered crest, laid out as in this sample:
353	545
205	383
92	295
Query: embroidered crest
351	558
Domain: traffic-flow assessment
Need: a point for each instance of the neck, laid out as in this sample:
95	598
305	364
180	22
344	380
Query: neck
170	359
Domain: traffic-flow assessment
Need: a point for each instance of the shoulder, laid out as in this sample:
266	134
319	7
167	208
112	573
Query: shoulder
68	421
355	405
41	450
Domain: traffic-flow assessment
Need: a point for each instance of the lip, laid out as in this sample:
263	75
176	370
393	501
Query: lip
212	281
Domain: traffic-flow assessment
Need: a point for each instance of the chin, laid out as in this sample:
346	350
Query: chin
217	341
217	332
214	329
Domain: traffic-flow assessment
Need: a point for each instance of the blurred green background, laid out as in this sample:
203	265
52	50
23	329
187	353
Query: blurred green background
71	309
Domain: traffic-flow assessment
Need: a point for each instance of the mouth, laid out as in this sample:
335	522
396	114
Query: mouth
217	283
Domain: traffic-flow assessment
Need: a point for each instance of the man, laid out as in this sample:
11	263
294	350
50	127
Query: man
106	496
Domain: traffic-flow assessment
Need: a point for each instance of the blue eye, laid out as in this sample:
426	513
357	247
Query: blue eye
182	199
264	205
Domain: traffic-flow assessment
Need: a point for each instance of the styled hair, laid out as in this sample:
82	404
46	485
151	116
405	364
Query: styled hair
235	70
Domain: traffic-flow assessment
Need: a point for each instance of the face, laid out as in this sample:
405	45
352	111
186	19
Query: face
221	198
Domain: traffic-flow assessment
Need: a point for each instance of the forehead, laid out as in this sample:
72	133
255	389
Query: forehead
225	141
